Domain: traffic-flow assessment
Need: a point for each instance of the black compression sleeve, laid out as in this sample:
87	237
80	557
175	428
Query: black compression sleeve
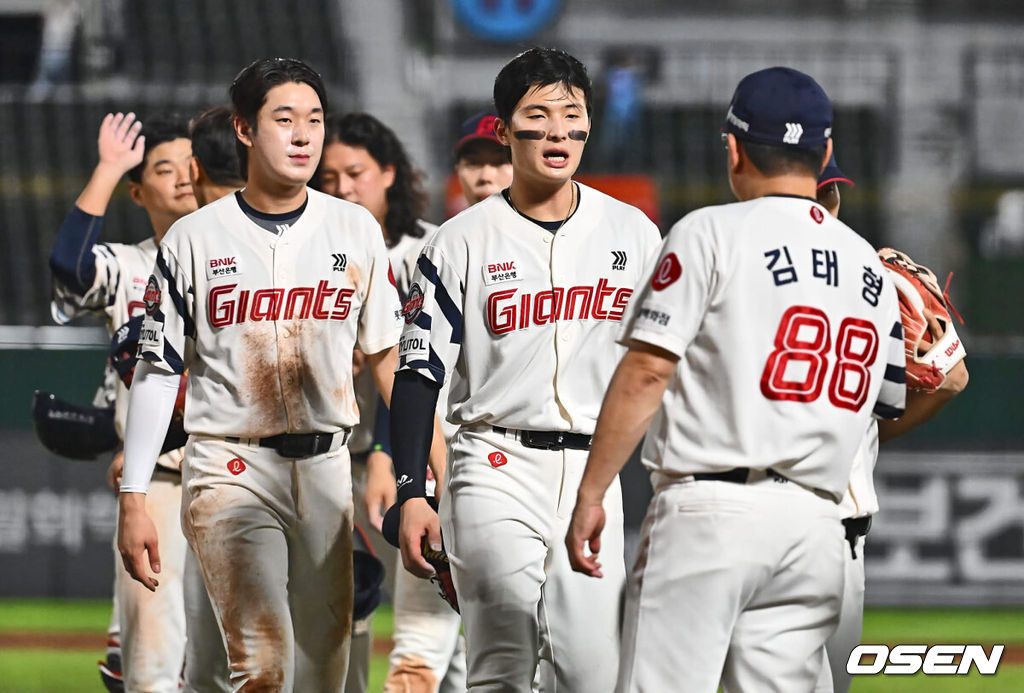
382	429
413	400
71	260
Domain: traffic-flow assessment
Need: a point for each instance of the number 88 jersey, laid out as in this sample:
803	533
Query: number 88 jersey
789	339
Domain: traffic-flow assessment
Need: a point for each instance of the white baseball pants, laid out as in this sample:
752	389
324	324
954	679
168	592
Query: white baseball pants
524	610
273	537
833	675
733	584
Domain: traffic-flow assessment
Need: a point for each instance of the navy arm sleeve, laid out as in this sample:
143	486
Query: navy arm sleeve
72	260
413	401
382	429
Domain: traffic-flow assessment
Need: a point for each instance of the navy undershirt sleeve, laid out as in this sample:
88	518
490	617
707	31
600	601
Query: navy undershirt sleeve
413	400
382	429
71	260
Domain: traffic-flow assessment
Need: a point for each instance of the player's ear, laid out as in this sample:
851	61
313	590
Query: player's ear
501	130
828	155
243	131
195	170
732	145
135	192
388	175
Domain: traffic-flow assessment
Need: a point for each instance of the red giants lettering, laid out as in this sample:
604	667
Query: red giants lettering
227	306
507	312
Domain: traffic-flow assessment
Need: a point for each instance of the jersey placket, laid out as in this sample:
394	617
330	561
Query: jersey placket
561	275
288	356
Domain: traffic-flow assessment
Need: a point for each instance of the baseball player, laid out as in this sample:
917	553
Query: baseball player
262	296
146	637
860	502
482	163
428	653
761	343
514	303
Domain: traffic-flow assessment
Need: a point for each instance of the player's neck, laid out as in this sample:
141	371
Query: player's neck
161	223
760	186
542	203
272	197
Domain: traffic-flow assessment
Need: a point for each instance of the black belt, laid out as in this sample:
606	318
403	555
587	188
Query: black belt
550	440
297	445
737	475
856	527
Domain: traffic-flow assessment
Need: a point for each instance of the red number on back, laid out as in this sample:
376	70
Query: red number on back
796	368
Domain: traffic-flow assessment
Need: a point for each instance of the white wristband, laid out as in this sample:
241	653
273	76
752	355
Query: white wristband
150	404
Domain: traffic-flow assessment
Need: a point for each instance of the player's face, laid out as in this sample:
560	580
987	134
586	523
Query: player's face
352	174
546	134
483	170
166	186
289	135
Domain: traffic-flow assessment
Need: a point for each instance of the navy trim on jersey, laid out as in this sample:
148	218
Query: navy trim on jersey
71	259
432	364
897	330
895	374
448	308
176	298
170	357
886	411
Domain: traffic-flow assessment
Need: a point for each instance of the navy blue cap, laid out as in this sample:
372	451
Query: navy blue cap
832	173
780	106
478	127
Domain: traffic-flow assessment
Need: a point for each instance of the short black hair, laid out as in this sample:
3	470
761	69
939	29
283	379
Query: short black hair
779	159
406	198
538	67
249	89
157	130
213	144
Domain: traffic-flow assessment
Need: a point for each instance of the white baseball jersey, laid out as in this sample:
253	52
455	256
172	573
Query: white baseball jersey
402	257
266	323
523	318
789	337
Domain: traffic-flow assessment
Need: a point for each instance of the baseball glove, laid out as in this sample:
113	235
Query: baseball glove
932	345
442	574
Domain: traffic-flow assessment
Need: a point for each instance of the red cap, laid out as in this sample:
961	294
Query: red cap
479	127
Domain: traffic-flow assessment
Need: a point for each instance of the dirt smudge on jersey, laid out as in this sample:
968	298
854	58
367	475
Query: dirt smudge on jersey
296	338
261	382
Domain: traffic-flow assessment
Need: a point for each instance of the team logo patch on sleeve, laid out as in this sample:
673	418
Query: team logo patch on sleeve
413	305
817	215
668	271
151	297
391	275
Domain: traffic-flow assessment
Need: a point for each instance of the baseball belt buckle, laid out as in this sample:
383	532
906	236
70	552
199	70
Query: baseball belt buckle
538	441
296	446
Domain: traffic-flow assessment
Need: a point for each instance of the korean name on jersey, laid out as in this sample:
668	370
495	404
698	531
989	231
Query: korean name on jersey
789	337
266	324
524	320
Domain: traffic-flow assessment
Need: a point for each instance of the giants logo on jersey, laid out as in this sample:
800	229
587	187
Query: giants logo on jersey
227	306
506	312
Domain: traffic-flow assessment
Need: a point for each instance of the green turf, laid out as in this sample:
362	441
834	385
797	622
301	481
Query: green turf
23	615
1009	679
47	671
930	626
